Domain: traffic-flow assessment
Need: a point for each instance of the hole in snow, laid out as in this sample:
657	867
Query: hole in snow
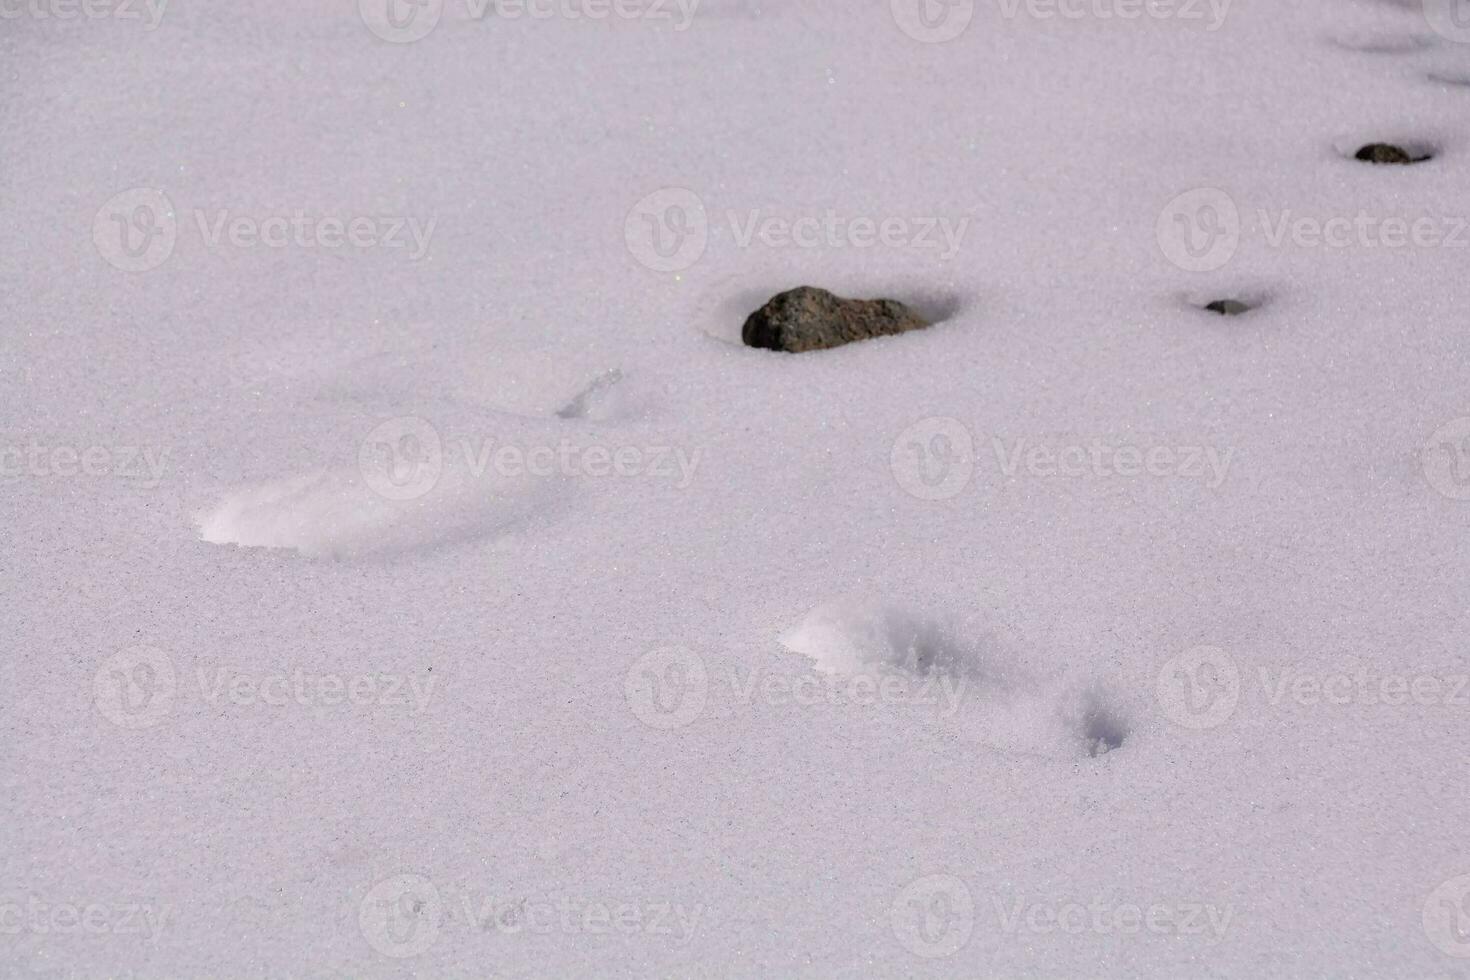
1102	731
1100	726
1229	307
1228	302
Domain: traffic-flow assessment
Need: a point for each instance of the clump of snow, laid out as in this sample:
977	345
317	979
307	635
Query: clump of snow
850	636
339	514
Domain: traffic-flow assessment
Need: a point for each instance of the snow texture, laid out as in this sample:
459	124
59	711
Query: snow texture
408	572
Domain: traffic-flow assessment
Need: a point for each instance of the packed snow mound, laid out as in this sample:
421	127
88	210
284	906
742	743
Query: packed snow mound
346	513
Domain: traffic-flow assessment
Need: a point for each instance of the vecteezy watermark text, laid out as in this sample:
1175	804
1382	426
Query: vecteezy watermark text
1202	229
670	230
404	916
149	11
1213	12
46	918
935	459
143	465
1202	687
404	459
136	688
1104	918
407	21
137	231
670	687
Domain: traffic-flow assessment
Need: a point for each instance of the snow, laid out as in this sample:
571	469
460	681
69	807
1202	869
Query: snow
409	573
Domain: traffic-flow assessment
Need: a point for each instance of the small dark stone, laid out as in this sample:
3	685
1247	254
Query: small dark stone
807	319
1229	307
1388	153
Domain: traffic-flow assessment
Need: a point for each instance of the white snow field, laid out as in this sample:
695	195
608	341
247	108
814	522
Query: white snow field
409	573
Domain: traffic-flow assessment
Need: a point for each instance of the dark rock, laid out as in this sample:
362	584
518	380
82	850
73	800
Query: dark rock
807	319
1388	153
1229	307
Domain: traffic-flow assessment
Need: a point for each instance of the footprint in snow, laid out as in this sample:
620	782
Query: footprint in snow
1005	704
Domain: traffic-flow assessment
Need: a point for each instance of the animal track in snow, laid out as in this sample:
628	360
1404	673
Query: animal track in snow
1007	705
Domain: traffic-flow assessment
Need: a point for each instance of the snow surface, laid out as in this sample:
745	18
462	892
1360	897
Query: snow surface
827	673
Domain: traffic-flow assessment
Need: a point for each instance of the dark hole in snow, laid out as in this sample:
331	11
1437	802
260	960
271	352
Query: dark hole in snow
1102	731
1229	307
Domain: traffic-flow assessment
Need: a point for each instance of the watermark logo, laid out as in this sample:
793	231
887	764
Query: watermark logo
400	917
143	465
136	230
568	459
1447	917
1450	19
934	916
1100	459
1074	10
1200	688
301	230
68	10
834	230
575	916
937	690
403	916
670	687
406	21
667	688
1366	688
933	459
135	688
279	689
1364	230
932	21
402	459
401	21
44	918
679	12
1199	231
1446	459
668	230
1104	918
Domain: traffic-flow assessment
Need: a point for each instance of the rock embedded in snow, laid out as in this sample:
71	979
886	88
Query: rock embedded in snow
808	319
1388	153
